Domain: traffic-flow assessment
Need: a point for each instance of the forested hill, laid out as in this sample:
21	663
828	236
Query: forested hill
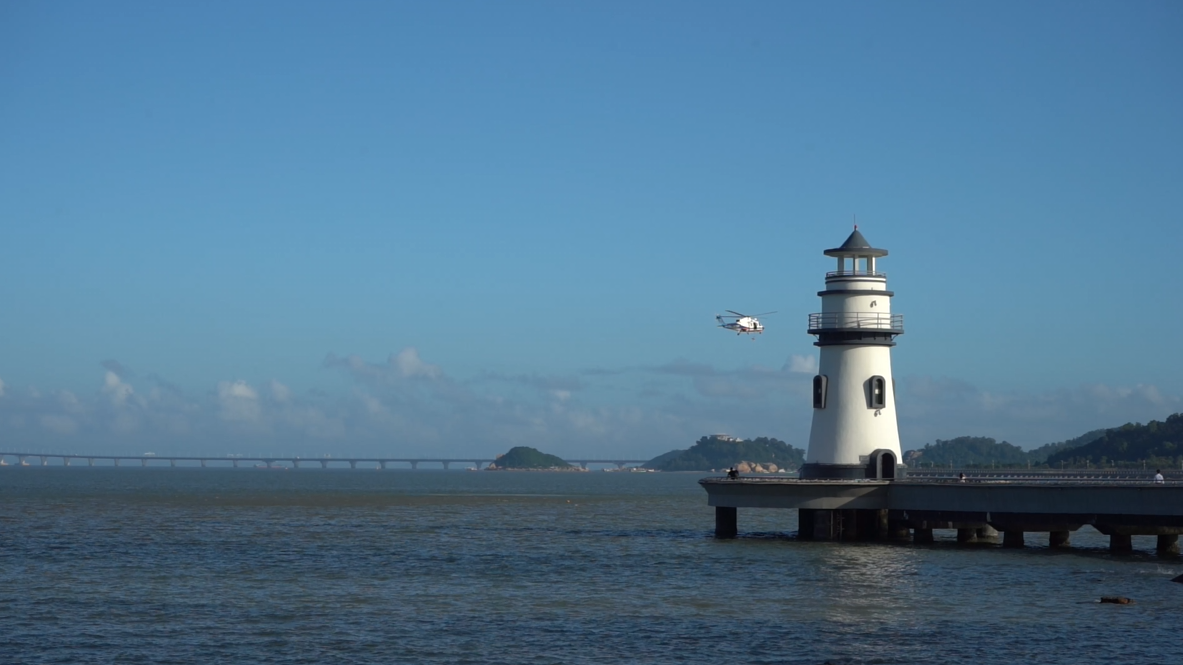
714	452
523	457
985	451
1157	444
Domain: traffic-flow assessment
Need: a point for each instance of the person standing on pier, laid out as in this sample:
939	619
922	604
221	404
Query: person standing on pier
1158	476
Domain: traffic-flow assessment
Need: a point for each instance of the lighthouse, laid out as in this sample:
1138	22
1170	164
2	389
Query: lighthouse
854	432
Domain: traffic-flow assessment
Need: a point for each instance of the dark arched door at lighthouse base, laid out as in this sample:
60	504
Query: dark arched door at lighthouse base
887	465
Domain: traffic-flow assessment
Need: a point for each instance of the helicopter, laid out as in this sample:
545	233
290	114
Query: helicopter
742	323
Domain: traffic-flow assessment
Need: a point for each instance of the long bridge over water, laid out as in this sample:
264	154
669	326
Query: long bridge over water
270	461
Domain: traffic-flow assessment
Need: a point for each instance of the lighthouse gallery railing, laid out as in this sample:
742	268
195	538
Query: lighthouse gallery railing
855	320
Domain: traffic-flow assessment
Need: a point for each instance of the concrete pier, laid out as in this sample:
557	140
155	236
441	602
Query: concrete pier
1121	542
978	510
1168	543
726	522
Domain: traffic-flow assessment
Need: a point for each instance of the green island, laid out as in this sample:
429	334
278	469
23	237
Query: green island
719	451
1133	445
524	458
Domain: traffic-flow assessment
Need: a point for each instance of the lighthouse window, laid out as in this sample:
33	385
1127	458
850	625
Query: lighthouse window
878	393
819	391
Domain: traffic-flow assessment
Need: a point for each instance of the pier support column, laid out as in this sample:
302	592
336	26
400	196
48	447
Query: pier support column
806	520
1012	539
353	464
898	530
89	461
967	535
324	464
987	534
1168	543
1058	538
143	462
726	522
1121	542
203	464
922	536
172	462
65	461
414	465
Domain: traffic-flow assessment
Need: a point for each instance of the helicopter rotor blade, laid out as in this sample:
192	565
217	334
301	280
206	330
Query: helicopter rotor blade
765	313
736	313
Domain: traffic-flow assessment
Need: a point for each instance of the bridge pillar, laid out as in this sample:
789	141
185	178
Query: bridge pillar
1121	542
414	465
1058	539
353	464
445	465
21	460
296	463
1168	543
144	462
967	535
235	462
1012	539
116	461
324	464
987	533
726	522
203	464
65	461
382	465
44	461
90	461
922	536
172	463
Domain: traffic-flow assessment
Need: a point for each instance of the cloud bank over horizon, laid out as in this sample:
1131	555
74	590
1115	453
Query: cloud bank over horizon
408	406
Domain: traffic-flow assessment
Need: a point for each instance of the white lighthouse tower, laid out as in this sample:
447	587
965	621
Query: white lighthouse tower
854	433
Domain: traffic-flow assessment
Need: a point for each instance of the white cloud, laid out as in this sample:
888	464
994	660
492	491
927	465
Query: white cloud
802	364
115	389
280	392
410	365
238	401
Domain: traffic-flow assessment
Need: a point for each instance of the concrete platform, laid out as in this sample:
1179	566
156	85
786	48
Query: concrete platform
887	509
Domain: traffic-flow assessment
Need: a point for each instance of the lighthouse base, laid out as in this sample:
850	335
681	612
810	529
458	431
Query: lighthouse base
881	465
833	471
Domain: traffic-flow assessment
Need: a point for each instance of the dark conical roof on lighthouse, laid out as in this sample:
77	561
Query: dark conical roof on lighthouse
856	245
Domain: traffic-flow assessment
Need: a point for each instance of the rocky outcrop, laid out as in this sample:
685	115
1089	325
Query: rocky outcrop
756	467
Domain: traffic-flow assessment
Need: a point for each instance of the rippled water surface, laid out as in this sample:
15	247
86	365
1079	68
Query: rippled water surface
339	566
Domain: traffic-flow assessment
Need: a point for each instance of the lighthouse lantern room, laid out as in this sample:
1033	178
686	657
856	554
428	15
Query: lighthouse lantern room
854	432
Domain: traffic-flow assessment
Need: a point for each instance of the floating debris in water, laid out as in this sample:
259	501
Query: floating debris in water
1116	600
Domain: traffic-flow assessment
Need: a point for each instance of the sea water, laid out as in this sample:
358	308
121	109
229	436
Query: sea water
400	566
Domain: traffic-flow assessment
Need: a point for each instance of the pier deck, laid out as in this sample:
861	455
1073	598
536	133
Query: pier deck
978	509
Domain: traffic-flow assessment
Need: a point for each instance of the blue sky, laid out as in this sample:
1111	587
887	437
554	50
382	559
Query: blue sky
450	228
